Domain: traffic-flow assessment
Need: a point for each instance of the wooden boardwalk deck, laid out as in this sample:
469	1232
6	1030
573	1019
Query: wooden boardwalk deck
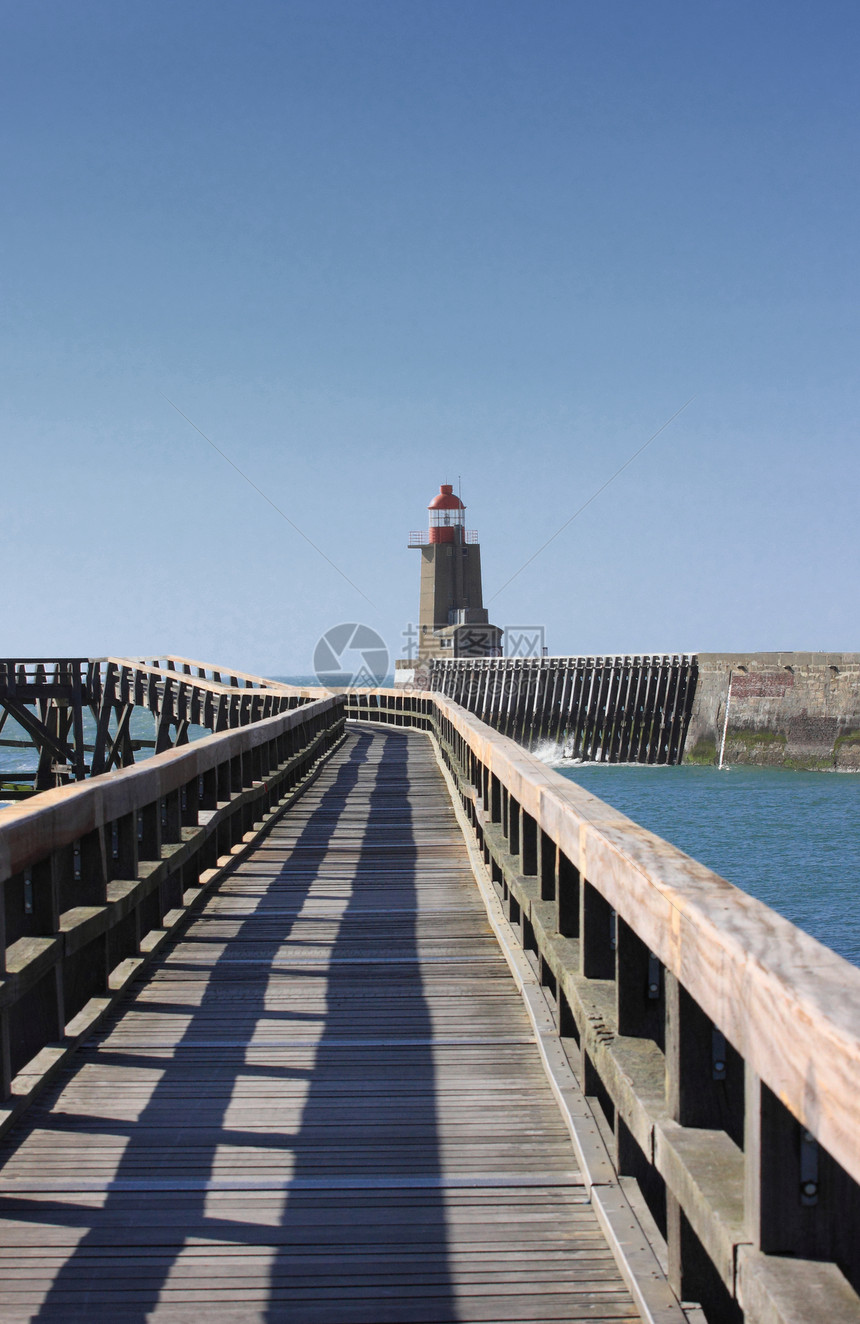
325	1104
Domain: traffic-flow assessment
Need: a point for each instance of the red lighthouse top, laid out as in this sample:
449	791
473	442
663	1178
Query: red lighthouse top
447	516
447	521
445	500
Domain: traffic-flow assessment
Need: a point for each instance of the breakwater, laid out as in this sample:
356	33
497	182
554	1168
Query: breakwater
794	710
613	709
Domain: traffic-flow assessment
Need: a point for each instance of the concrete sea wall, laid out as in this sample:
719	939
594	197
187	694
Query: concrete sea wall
792	710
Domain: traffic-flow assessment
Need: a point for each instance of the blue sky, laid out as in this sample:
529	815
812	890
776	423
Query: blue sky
374	245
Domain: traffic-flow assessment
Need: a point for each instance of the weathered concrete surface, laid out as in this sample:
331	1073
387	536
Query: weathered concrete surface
793	710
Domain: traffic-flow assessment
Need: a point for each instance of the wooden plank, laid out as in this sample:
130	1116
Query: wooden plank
326	1099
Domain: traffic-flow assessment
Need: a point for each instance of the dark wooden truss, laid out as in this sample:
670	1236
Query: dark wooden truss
47	698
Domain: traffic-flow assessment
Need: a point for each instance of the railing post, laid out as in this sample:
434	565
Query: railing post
94	868
5	1055
495	800
2	928
548	866
513	826
190	802
639	987
596	945
127	846
567	901
172	827
529	846
209	798
691	1276
704	1074
224	777
149	844
46	894
799	1202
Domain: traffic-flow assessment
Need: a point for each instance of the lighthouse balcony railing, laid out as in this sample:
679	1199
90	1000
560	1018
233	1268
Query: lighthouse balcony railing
421	537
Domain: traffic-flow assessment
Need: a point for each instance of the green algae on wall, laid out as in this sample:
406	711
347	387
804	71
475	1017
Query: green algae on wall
703	752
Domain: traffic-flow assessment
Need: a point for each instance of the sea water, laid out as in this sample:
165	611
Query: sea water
792	839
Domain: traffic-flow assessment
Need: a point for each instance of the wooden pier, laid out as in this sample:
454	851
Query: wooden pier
360	1002
325	1103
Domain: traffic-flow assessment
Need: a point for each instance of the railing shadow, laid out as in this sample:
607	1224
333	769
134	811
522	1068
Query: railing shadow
371	1103
354	1199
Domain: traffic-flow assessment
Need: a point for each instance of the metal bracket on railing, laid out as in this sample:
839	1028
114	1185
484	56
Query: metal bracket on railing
808	1169
718	1054
653	976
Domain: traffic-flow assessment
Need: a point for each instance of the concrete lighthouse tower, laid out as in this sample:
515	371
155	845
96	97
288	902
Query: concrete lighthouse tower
452	619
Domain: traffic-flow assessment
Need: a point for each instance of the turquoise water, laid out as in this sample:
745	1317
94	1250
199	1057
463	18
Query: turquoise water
792	839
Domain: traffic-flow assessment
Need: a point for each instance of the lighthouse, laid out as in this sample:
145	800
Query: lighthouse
452	618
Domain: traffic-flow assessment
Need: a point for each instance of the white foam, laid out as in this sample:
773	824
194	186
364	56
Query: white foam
555	754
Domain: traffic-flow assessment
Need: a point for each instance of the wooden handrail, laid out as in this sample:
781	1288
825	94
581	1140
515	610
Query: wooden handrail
720	1041
58	817
258	682
95	875
782	998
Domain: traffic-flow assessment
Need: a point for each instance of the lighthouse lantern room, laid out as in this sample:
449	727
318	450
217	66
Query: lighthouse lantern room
447	516
452	619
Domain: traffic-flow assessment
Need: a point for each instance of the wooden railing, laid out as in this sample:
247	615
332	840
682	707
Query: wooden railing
719	1044
178	698
94	876
48	699
218	674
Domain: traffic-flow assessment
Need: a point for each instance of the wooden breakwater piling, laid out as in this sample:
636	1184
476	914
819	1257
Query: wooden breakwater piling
614	709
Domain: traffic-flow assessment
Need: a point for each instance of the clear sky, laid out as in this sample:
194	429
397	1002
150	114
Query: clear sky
369	246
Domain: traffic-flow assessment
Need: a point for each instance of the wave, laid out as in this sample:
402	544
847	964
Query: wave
555	754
